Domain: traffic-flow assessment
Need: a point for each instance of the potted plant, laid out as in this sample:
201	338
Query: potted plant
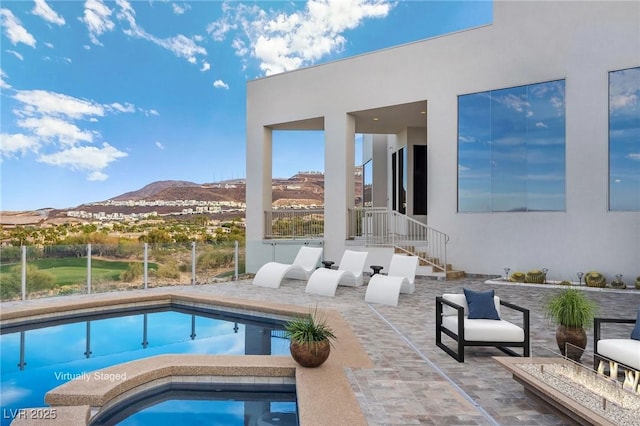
571	310
311	339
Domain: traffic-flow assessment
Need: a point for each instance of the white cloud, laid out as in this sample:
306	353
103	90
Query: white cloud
511	101
51	129
634	156
11	145
180	45
16	54
43	10
14	30
624	89
159	145
97	176
97	18
219	84
4	84
127	107
205	66
283	42
88	159
56	128
49	45
56	104
541	124
180	9
622	100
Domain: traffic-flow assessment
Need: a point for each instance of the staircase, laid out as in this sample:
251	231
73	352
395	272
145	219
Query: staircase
429	266
381	227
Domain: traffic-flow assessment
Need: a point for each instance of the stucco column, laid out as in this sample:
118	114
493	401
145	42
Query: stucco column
380	195
258	191
339	181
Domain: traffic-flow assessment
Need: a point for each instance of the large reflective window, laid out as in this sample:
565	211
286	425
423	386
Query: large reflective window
511	149
624	140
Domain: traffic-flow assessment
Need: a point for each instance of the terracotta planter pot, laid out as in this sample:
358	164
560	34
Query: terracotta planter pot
571	340
312	355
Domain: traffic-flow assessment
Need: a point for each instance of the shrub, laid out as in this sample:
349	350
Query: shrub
214	260
168	270
132	273
37	280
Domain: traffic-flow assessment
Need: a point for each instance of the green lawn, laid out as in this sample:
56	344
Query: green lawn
73	270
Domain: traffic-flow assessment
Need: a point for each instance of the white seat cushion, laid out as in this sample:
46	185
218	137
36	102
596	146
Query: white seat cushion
625	351
485	330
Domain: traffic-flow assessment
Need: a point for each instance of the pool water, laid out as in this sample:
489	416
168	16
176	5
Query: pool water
36	358
203	405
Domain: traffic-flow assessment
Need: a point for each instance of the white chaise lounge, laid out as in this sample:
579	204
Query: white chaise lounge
401	277
452	319
271	274
325	281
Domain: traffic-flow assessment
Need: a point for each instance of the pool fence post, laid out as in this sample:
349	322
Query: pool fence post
146	265
235	260
193	262
88	268
24	272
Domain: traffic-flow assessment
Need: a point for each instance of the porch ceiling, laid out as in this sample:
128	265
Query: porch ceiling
391	119
384	120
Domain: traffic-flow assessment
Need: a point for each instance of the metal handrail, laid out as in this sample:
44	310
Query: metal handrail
290	223
383	227
378	226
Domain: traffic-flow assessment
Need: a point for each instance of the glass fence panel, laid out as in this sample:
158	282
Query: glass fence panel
59	270
217	262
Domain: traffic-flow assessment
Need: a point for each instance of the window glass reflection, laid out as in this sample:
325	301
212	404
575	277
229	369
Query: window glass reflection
624	140
511	149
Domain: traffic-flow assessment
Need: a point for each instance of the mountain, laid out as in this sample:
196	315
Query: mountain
302	189
151	190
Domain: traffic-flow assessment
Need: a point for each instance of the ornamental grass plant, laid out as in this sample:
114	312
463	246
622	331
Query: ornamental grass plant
571	308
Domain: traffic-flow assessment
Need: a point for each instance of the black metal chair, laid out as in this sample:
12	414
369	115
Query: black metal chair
478	332
597	337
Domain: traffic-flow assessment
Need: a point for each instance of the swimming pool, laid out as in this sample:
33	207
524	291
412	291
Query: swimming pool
39	356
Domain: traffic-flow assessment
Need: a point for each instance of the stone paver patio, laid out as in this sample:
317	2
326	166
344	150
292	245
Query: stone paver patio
412	380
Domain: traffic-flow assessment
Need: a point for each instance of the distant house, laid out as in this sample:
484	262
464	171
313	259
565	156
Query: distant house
514	139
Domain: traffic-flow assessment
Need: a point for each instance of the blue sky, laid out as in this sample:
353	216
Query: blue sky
99	97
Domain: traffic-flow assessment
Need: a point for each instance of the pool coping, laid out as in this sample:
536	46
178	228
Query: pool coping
317	389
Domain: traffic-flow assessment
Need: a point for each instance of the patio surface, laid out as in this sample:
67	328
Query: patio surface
414	382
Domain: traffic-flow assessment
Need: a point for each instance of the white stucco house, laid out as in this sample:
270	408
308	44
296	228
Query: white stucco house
519	141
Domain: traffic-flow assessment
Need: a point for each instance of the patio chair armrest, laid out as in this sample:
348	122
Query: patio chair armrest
598	321
525	314
442	301
512	306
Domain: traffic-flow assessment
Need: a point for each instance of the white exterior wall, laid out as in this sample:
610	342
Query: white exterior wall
529	42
